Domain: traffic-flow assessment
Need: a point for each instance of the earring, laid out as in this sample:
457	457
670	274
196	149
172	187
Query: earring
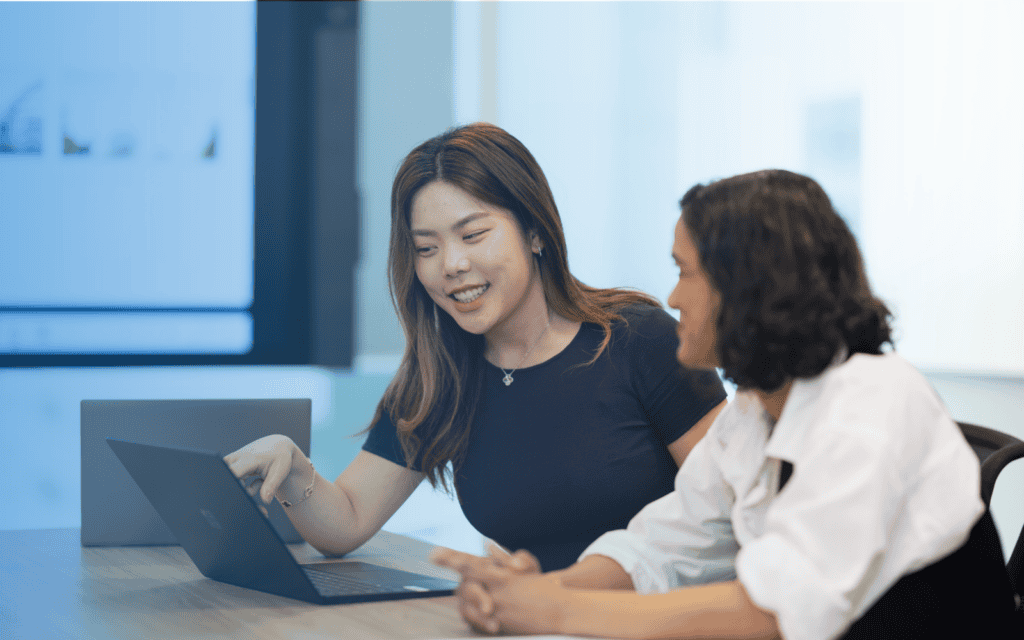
540	252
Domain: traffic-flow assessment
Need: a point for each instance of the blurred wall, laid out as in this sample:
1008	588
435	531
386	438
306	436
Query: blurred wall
625	105
405	98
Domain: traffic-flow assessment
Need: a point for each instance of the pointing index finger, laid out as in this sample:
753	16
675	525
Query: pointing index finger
241	469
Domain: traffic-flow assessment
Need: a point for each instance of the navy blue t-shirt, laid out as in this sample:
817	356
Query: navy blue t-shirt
566	453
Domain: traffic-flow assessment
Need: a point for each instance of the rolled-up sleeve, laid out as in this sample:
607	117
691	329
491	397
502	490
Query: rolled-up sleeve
682	539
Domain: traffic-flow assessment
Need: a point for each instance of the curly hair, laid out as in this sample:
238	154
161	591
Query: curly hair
791	278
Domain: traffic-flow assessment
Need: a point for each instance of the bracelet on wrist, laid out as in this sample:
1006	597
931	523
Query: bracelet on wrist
308	491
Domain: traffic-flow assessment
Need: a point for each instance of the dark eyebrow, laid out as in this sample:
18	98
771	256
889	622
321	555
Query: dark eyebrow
455	227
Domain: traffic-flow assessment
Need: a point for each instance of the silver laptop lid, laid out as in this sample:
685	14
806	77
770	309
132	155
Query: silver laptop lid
114	510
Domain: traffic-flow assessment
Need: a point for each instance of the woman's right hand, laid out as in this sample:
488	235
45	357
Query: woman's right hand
269	459
475	603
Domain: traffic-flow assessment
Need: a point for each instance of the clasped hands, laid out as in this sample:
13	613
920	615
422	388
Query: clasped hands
504	592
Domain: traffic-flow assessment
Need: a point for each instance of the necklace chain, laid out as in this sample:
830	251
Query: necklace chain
508	374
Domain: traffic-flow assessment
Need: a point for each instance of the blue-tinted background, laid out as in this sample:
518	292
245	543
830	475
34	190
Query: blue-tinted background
909	115
126	171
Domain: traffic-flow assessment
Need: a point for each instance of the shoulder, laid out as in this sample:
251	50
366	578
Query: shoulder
644	322
881	397
886	378
644	313
644	342
644	337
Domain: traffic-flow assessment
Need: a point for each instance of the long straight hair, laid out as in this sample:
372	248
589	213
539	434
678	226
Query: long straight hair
433	397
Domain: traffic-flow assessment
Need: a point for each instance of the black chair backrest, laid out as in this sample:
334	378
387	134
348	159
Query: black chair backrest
995	450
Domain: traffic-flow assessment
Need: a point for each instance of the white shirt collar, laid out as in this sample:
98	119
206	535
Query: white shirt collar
786	439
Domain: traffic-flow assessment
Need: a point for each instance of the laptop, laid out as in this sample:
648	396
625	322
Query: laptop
114	510
223	531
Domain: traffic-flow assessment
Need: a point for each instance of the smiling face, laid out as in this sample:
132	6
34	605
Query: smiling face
473	259
698	304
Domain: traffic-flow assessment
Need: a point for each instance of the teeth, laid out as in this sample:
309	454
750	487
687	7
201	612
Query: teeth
469	295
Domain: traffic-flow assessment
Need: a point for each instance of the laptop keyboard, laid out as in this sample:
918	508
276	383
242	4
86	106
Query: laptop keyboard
331	583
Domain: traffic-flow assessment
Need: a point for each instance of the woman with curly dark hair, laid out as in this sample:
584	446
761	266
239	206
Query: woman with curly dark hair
834	497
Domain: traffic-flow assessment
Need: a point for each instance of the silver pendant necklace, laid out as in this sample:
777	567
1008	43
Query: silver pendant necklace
508	374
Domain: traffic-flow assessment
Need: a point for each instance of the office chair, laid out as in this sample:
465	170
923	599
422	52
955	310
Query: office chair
995	450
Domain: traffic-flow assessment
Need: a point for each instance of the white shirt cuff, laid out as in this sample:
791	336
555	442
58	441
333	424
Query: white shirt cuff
780	579
625	548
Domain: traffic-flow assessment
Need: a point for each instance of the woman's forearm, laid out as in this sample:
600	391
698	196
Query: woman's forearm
327	519
341	515
721	610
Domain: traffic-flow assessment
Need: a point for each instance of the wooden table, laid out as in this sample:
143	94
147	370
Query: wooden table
52	587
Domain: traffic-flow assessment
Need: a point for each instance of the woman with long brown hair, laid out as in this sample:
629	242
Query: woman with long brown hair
555	410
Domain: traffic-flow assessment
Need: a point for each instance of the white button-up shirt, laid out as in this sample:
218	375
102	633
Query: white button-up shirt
883	484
